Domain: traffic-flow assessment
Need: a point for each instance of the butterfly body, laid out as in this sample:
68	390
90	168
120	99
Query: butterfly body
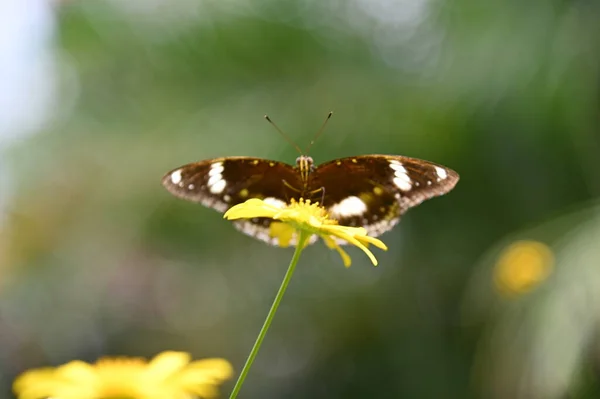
370	191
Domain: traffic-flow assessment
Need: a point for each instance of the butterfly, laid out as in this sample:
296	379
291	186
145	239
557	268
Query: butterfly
370	191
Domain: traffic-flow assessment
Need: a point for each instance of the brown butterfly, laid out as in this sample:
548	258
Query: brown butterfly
370	191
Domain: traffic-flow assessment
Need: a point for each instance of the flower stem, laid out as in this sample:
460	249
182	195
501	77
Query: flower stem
303	236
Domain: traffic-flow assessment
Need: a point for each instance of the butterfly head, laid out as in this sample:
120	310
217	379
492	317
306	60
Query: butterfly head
304	164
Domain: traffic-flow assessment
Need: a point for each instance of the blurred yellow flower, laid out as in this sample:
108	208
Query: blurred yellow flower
169	375
522	266
312	218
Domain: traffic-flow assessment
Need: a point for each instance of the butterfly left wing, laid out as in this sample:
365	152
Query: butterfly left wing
221	183
373	191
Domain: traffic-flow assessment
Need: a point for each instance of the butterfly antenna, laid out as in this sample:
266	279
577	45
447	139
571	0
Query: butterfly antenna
285	136
320	131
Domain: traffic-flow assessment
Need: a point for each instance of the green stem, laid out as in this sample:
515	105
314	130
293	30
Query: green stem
303	236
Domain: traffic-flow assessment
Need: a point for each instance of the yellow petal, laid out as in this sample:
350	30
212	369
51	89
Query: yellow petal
208	370
253	208
372	240
35	384
32	377
283	231
203	376
167	363
45	383
204	391
330	242
77	371
358	244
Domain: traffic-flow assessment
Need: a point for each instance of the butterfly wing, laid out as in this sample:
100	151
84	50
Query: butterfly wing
373	191
221	183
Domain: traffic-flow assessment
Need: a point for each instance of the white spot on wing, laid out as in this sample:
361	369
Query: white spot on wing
176	177
275	202
401	179
214	179
403	182
397	166
351	206
441	172
208	199
218	187
216	169
216	183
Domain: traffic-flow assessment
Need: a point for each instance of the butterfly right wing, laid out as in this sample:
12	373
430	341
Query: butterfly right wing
373	191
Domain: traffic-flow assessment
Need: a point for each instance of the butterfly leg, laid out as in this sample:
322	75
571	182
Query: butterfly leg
288	185
322	190
294	189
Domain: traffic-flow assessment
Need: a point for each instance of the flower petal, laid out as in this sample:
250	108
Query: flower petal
203	376
330	242
283	231
166	364
211	370
372	240
77	371
342	233
358	244
35	384
47	382
253	208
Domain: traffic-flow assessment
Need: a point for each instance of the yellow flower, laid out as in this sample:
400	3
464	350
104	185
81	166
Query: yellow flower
522	266
169	375
312	218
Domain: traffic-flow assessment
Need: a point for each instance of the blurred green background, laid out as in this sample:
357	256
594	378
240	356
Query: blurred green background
101	98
